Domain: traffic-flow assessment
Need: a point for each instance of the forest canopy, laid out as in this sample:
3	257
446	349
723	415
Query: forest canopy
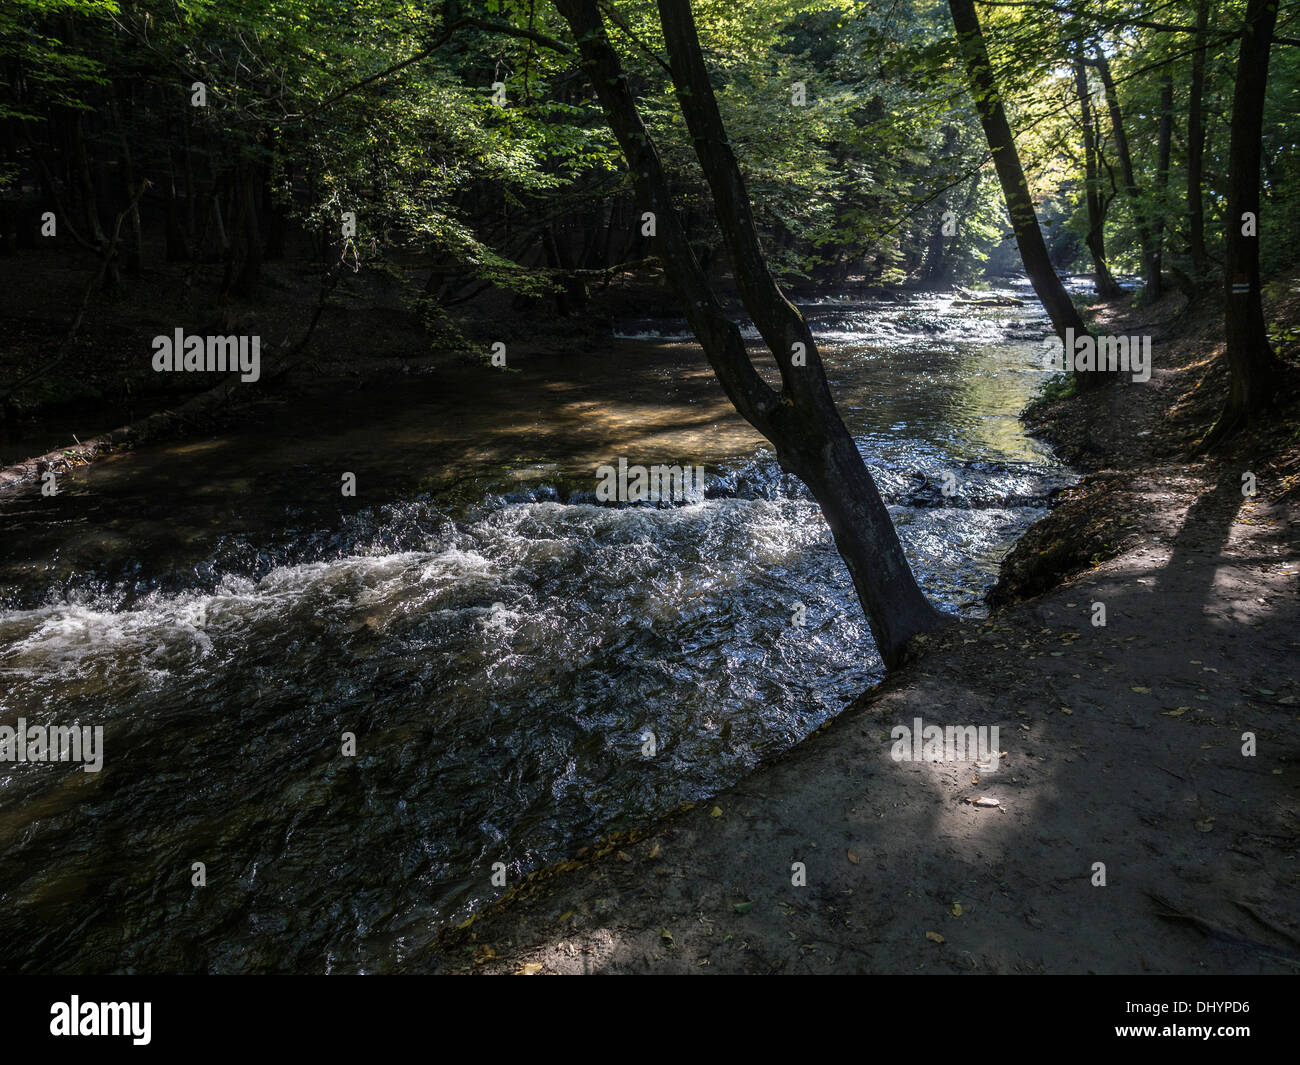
464	141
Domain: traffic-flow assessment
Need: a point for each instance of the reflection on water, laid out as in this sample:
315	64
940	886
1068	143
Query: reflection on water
496	641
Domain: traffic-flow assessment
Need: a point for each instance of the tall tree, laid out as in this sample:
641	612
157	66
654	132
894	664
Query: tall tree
1015	189
1163	145
1196	146
1106	285
1255	372
1146	232
801	419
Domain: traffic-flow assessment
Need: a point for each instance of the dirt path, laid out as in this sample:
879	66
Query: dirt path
1123	745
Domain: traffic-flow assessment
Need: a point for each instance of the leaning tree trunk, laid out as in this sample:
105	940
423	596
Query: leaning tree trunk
1107	287
801	420
1015	189
1255	373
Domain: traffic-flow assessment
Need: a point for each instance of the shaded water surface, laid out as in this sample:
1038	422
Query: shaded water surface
496	640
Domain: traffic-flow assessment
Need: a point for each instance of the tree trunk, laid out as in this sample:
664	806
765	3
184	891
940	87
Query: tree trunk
276	209
1107	287
135	246
1162	165
191	198
1256	374
89	196
52	187
250	273
934	269
1015	189
1150	257
801	420
1196	147
177	247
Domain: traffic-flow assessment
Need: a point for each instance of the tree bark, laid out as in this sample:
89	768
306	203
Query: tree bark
934	270
250	273
1150	257
177	247
89	195
135	246
801	420
1196	147
1255	373
1107	287
1015	189
1163	143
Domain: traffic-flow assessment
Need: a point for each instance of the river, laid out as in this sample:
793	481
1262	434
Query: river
498	642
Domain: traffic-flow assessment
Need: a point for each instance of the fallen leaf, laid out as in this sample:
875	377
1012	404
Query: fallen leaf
956	909
934	937
654	851
984	800
623	856
665	935
852	857
1141	691
531	968
1177	711
1205	826
743	907
716	812
564	917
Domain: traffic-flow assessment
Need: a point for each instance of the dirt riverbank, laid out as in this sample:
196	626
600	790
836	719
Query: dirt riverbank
1124	751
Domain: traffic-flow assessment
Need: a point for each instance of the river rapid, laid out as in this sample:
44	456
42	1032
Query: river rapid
498	642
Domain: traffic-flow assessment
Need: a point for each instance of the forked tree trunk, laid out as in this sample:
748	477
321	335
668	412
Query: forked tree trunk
801	420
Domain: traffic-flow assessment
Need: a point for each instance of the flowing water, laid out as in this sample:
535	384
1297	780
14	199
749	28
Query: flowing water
498	642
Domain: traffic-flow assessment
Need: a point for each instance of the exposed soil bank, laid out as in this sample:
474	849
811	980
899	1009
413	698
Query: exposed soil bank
1123	745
